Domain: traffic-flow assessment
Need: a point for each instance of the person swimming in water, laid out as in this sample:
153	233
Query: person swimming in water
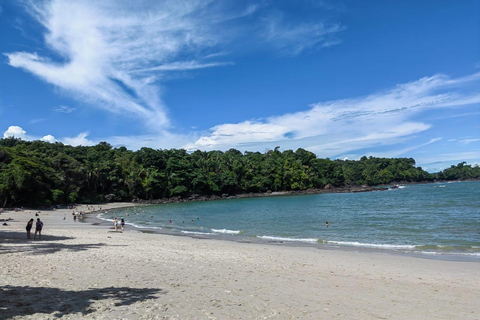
326	224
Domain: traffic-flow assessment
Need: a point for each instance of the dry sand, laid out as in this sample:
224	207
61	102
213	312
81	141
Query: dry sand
80	270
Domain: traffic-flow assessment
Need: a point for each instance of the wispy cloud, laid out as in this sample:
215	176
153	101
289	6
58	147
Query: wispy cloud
335	128
33	121
100	45
405	151
297	38
113	54
184	66
64	109
469	140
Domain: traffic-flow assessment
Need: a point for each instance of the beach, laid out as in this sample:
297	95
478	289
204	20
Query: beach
85	270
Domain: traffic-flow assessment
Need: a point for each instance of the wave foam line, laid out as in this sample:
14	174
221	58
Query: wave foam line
288	239
475	254
196	232
372	245
226	231
145	227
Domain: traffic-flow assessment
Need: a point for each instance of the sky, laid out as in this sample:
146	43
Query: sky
342	79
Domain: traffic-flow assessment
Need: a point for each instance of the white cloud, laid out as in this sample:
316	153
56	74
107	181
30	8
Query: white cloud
162	140
245	132
64	109
80	140
334	128
49	138
16	132
19	132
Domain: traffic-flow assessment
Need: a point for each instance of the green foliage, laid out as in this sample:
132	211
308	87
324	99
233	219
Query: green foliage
41	173
58	196
460	171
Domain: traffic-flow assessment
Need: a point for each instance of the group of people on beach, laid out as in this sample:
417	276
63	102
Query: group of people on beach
38	229
121	222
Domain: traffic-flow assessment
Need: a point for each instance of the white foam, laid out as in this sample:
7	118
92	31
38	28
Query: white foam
99	216
145	227
195	232
475	254
288	239
372	245
226	231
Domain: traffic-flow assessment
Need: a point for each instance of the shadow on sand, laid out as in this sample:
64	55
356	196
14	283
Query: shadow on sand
22	301
11	242
21	237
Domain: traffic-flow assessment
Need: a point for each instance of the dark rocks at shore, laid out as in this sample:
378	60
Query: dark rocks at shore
198	197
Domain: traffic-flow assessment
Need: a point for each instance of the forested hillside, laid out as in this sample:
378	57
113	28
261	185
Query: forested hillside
40	173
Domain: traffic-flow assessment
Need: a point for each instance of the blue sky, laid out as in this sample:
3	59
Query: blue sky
342	79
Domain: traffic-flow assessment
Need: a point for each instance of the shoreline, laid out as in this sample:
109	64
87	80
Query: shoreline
91	218
94	219
88	270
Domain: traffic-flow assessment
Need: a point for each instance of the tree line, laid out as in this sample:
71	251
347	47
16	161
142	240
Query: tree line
37	173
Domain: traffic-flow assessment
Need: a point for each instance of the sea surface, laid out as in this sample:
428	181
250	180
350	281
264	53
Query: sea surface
440	220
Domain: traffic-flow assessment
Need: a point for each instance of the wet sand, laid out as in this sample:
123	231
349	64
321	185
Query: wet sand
84	270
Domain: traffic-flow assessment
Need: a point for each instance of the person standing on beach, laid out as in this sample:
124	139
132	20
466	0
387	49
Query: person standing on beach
115	224
29	227
122	224
38	228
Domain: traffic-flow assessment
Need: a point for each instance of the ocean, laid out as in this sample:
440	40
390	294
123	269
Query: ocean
440	220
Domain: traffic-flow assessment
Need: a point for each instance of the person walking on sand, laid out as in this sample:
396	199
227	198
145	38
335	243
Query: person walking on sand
38	228
29	227
122	224
115	224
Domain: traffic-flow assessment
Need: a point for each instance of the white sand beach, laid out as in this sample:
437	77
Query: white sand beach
82	270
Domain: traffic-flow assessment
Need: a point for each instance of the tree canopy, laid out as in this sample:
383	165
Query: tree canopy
36	173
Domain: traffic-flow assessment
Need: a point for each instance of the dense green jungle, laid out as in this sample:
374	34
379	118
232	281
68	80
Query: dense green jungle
37	173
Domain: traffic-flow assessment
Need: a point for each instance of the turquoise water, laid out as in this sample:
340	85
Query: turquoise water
430	219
